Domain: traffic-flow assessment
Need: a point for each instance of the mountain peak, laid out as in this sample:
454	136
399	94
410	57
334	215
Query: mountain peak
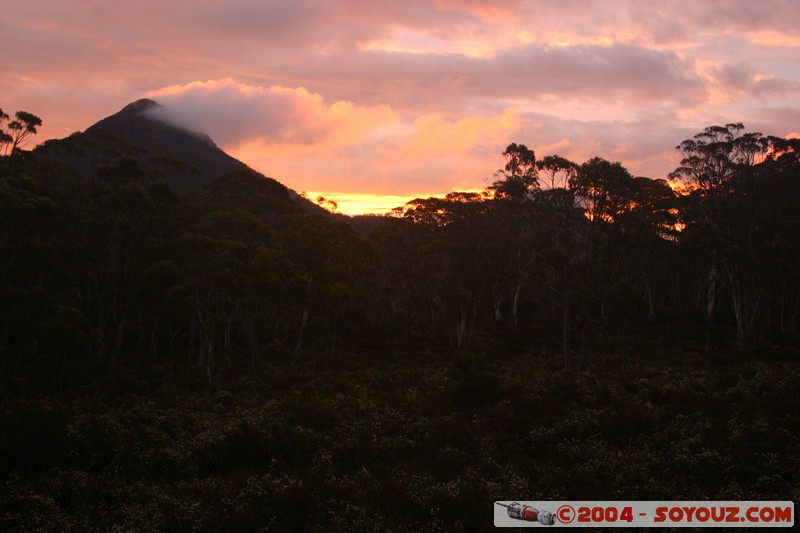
140	106
140	124
189	160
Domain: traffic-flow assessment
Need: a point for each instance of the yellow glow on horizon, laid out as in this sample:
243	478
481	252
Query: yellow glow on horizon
675	185
364	204
372	204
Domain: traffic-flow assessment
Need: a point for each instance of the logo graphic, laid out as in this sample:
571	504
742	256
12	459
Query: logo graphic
529	514
565	514
605	514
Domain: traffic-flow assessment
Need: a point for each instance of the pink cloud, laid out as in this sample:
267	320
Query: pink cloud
236	113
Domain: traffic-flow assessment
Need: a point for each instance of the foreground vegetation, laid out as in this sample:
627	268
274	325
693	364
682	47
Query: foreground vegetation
396	441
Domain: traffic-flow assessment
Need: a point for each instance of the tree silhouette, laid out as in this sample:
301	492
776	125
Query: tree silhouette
17	131
519	177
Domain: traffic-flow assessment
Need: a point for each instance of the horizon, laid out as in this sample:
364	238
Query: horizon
368	104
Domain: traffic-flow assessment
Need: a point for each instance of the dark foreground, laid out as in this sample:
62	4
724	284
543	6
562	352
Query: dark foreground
397	442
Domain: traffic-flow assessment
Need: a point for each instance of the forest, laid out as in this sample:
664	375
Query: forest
230	356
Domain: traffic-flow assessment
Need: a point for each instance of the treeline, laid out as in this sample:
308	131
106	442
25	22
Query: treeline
589	257
115	269
107	266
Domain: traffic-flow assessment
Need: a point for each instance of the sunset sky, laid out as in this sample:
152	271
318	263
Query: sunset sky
406	98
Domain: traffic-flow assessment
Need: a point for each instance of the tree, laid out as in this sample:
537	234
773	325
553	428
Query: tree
5	137
559	230
328	205
726	167
649	229
443	262
520	176
28	273
603	189
558	171
17	131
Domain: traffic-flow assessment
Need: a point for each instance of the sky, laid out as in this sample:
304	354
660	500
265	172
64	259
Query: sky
374	102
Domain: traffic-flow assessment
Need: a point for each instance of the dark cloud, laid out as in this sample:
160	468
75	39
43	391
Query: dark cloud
779	121
449	81
737	76
645	146
599	71
744	15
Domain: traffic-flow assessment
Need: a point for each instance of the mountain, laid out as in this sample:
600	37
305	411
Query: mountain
138	124
188	160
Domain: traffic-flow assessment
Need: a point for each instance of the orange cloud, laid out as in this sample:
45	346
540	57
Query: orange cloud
435	136
774	38
402	159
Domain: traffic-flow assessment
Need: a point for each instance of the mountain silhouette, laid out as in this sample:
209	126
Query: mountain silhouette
188	160
168	145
